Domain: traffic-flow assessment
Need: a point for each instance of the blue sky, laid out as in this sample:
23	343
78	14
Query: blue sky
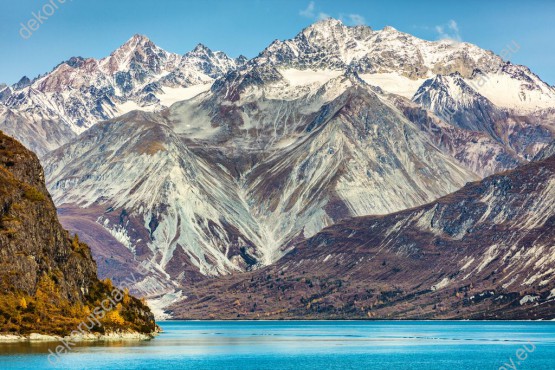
94	28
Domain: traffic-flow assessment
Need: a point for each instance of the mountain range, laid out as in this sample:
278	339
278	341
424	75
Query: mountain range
202	167
483	252
52	109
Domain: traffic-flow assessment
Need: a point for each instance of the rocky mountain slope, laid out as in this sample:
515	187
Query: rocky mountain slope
227	202
335	123
52	109
484	252
48	281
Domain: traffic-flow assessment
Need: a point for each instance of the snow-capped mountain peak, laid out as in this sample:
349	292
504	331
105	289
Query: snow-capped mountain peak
451	87
139	53
23	82
332	44
80	92
136	40
325	28
136	43
200	48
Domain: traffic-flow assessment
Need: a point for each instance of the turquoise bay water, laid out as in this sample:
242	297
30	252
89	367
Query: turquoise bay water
311	345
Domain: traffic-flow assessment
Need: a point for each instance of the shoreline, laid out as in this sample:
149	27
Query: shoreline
89	337
358	320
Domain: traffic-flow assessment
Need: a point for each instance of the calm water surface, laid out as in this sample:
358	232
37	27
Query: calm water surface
311	345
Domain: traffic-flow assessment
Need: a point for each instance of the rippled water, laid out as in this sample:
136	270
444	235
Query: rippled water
311	345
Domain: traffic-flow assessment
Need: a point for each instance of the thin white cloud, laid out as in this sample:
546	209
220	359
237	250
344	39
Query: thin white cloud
449	31
309	11
312	12
356	19
453	26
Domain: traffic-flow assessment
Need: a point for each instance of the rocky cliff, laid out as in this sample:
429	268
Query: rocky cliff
48	281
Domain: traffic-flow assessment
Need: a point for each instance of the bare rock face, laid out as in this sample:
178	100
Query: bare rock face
32	240
546	152
484	252
41	266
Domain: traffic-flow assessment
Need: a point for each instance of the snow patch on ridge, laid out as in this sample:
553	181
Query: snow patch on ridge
505	91
172	95
394	83
442	284
118	232
528	299
303	77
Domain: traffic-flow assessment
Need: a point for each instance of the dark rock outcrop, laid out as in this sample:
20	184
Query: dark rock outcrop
48	279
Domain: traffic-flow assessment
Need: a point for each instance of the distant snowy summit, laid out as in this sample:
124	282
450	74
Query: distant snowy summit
51	110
